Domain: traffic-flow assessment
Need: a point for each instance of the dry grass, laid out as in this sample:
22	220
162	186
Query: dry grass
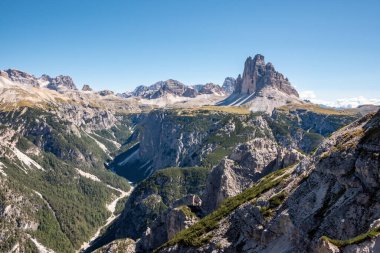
6	107
318	109
212	108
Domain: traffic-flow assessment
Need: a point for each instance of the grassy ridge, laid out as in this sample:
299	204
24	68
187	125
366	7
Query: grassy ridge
196	235
372	233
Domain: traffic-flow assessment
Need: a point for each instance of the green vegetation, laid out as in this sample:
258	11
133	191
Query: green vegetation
23	144
226	142
78	205
173	183
372	233
187	212
309	124
120	205
153	196
72	207
228	109
49	231
106	142
196	235
274	202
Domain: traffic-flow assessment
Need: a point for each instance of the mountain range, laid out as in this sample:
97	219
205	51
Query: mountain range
243	167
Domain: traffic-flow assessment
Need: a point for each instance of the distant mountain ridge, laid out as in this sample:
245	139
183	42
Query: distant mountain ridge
259	88
161	94
54	83
174	87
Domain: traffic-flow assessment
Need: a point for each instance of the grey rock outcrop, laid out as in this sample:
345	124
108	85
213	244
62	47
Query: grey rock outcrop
258	75
261	87
248	163
86	87
176	219
54	83
176	88
20	77
105	93
229	85
122	245
189	200
59	83
163	88
211	88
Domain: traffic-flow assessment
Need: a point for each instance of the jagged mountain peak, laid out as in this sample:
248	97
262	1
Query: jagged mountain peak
58	83
257	75
261	87
176	88
229	84
86	87
20	77
61	82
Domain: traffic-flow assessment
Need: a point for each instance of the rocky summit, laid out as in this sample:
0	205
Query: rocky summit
257	75
261	87
172	167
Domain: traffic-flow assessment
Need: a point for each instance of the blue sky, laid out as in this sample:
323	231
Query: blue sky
329	47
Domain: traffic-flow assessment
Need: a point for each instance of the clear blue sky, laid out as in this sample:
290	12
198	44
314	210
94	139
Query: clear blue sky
330	47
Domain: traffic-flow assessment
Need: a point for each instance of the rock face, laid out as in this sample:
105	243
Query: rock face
247	163
123	245
105	93
59	82
171	139
211	88
86	87
258	75
162	88
229	85
165	227
261	87
20	77
193	138
175	88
